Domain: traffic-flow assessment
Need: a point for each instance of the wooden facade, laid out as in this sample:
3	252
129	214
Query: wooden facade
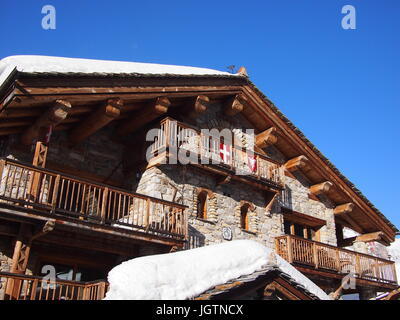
47	204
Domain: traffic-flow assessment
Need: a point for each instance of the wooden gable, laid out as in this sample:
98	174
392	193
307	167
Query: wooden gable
132	103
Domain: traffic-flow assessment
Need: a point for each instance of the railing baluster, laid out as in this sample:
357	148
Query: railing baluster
104	205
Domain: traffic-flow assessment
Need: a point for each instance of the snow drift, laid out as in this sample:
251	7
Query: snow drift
186	274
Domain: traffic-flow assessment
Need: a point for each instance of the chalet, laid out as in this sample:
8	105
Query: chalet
90	177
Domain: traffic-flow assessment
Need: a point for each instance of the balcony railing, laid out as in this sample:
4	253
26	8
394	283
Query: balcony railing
23	287
322	256
210	149
53	192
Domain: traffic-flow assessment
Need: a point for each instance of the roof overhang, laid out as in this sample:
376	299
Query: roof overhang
21	91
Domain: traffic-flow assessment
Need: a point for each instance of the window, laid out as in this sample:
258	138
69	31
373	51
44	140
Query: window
202	205
244	219
300	230
302	225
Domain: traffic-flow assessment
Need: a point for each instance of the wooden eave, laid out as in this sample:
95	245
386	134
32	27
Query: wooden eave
29	95
302	218
267	115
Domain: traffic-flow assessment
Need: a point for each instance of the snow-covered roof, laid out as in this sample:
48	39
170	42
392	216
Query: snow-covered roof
187	274
47	64
220	291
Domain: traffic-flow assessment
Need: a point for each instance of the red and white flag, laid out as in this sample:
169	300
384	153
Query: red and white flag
225	153
252	163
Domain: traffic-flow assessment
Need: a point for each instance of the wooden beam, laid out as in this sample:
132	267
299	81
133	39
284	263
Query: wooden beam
141	117
366	237
296	163
343	209
97	120
198	106
265	111
233	106
320	188
52	117
266	138
351	222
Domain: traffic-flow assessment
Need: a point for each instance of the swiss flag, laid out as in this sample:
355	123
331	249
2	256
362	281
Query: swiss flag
225	153
252	163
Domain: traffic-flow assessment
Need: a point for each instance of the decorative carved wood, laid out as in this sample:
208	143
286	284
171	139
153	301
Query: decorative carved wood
51	118
21	249
296	163
320	188
40	156
147	114
39	160
97	120
266	138
233	106
343	209
198	106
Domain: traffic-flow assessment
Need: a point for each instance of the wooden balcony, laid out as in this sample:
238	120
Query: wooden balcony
62	197
176	137
314	255
23	287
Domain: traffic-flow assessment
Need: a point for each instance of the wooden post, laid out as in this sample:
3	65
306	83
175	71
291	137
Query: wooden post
147	213
289	248
102	291
358	266
19	261
39	160
104	205
337	259
33	289
376	268
393	267
2	165
167	135
315	254
55	193
21	250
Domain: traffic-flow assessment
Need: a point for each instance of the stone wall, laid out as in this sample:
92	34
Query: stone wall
97	154
296	198
223	206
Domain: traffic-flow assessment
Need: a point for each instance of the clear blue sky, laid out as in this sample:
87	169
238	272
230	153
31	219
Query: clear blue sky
340	87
